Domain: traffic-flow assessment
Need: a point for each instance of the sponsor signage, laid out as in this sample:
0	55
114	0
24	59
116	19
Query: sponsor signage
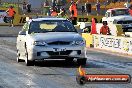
113	43
83	78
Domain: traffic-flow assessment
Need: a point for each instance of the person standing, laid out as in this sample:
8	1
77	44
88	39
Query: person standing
28	8
54	12
98	8
62	13
83	10
11	13
130	10
24	7
58	5
53	3
88	7
46	7
73	11
105	29
127	4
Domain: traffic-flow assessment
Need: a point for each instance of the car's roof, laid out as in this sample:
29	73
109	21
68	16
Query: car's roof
47	18
115	9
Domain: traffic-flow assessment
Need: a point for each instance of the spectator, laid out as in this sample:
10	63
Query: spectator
11	13
49	11
98	8
46	7
130	10
62	13
88	7
105	29
28	8
83	9
58	5
127	4
24	7
73	11
53	3
107	2
54	12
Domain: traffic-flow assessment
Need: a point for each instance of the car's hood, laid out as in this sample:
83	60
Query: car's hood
123	17
56	36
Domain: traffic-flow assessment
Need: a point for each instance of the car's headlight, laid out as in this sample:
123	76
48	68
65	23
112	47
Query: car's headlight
78	42
40	43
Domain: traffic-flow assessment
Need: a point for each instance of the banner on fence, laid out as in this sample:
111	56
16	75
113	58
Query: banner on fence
112	43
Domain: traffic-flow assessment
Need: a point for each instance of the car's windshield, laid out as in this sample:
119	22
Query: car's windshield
120	12
51	26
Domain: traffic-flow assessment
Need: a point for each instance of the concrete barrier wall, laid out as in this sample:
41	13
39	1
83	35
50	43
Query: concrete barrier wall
88	38
112	43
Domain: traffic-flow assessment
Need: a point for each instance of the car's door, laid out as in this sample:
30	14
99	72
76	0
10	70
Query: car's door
21	40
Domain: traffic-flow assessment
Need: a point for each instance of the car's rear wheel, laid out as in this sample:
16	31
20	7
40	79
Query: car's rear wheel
82	61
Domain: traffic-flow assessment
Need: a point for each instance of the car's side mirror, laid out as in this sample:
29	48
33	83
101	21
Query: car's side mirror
22	33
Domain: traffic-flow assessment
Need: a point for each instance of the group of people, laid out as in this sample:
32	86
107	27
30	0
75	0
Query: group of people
56	4
59	10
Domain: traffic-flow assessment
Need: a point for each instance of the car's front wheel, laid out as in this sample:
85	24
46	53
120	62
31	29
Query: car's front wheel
69	59
82	61
18	57
28	62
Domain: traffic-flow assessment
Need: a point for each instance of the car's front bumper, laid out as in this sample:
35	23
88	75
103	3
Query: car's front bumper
58	52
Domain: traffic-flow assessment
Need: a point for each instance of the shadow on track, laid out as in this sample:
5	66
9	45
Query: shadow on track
65	64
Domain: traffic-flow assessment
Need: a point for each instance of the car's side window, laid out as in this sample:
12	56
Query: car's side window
25	27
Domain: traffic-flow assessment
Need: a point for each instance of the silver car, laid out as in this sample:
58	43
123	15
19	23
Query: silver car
50	38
